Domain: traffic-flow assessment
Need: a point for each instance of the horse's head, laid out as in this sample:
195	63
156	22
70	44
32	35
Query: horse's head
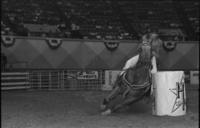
156	44
140	73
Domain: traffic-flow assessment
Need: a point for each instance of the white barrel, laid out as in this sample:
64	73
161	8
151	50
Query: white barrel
169	93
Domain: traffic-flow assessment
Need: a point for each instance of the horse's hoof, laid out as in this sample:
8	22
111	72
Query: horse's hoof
107	112
103	107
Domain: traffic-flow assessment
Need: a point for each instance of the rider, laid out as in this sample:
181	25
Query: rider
152	42
149	51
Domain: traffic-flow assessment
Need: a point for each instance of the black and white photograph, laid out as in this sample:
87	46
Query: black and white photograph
100	63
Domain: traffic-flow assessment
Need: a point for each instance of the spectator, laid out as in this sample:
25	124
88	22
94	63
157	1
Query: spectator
75	31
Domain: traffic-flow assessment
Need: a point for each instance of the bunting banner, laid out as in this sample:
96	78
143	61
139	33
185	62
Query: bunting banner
54	43
8	41
111	45
169	45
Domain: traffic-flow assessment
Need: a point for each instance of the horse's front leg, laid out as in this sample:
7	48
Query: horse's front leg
126	102
118	106
113	93
110	97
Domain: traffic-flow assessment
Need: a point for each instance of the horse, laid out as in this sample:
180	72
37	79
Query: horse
132	85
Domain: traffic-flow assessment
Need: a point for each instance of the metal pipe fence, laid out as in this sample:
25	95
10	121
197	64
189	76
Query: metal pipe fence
66	79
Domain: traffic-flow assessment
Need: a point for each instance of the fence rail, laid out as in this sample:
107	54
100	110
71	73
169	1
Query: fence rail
53	79
14	80
66	79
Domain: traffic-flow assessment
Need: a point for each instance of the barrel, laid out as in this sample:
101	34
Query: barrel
169	93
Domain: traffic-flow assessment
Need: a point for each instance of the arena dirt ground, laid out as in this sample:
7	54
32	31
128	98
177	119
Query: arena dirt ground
80	109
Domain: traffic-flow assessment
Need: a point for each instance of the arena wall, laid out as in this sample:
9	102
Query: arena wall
37	53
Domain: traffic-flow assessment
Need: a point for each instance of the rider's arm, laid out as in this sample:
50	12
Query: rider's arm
131	62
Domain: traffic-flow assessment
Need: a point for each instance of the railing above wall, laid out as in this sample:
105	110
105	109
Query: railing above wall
67	39
83	40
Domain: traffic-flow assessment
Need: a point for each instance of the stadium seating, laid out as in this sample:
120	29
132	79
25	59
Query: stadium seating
96	19
191	8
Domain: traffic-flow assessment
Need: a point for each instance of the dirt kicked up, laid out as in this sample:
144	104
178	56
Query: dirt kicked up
81	109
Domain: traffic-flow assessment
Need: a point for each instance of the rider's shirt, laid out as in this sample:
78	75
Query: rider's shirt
131	62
